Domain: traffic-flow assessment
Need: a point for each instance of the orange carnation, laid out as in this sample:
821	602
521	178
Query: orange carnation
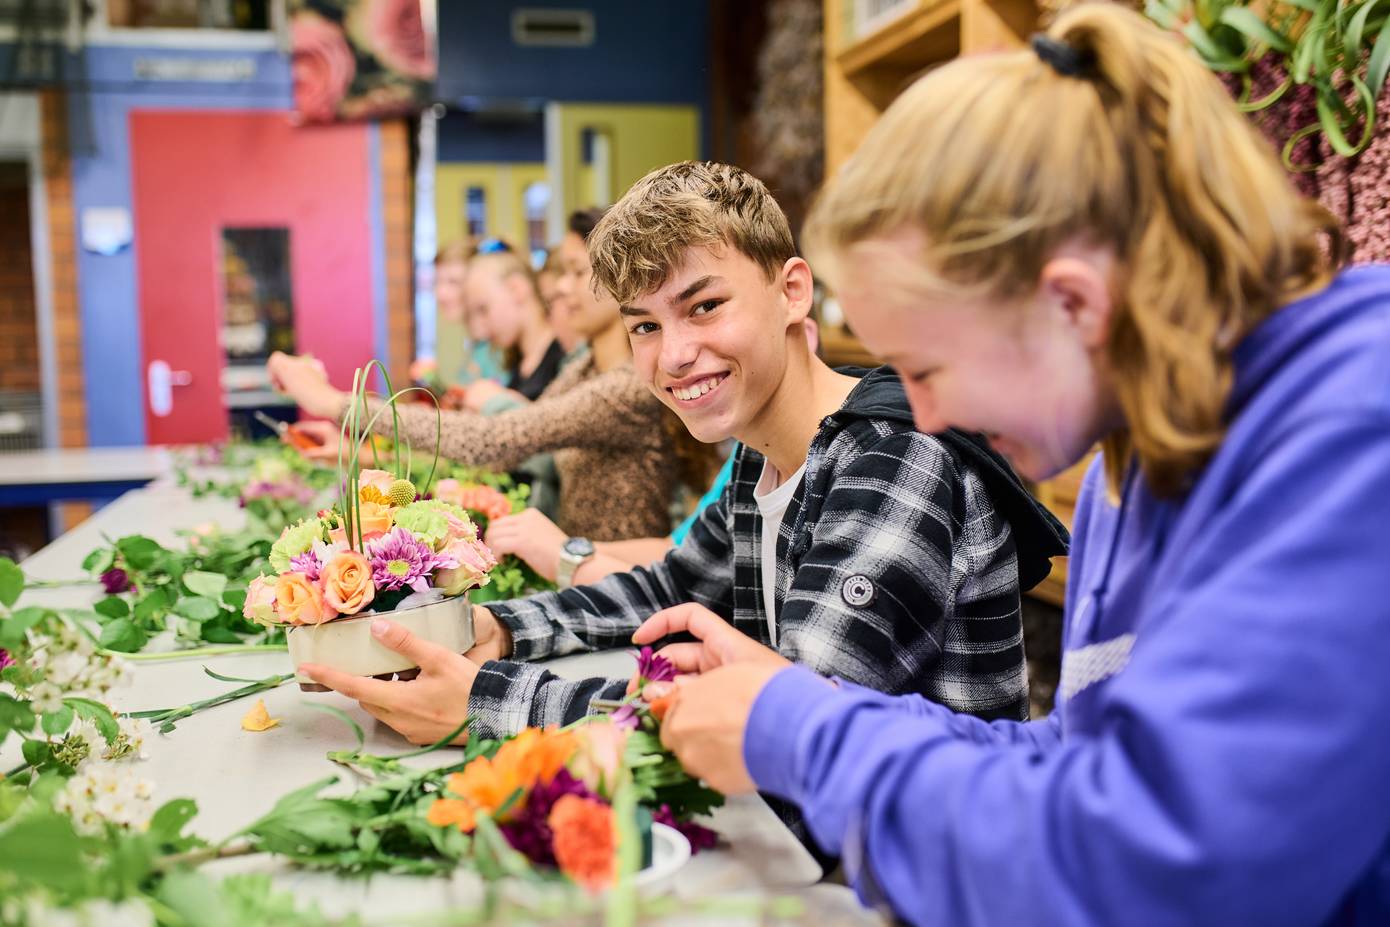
585	840
533	756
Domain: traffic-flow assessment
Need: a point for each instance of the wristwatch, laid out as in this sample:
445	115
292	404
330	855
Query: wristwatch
574	552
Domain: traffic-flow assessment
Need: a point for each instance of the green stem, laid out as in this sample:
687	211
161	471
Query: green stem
214	651
57	583
167	716
204	855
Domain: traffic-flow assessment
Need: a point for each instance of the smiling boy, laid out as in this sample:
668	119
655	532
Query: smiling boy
847	540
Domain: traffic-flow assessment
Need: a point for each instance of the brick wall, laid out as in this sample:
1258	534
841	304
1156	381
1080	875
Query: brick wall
62	243
19	340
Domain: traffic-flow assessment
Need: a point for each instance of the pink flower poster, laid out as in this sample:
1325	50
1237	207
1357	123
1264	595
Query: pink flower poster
359	59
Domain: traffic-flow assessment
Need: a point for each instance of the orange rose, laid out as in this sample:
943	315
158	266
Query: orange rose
380	479
299	601
376	521
347	582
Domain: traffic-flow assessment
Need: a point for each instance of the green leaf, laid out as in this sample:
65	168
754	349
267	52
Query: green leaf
43	849
12	628
16	715
1356	28
99	560
1249	24
235	599
37	752
166	826
151	605
1379	65
197	609
112	607
11	582
56	722
1216	57
210	585
98	714
123	636
140	552
216	634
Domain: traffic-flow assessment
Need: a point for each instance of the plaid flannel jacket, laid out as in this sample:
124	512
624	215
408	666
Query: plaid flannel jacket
895	570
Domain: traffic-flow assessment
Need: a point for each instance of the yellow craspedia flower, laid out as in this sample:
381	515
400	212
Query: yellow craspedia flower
402	493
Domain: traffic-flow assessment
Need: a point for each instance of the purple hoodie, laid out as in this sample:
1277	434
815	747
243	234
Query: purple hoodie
1216	755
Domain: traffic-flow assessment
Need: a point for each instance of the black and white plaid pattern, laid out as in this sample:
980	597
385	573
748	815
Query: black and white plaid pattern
894	571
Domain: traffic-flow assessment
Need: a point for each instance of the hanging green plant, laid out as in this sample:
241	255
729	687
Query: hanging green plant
1340	48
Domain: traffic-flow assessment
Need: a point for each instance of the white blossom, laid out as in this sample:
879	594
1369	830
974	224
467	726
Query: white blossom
106	793
46	698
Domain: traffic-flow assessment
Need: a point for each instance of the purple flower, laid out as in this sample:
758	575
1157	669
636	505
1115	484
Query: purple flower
115	581
529	831
5	658
652	667
400	559
625	717
701	838
308	563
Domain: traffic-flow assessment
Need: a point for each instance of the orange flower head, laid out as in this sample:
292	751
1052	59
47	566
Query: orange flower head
585	840
533	756
368	493
451	812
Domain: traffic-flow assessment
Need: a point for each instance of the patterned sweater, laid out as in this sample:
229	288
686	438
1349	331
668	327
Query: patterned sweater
605	430
898	567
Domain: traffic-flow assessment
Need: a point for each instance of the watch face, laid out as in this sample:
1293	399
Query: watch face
579	547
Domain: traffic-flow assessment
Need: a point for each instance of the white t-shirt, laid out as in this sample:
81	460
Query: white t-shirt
772	505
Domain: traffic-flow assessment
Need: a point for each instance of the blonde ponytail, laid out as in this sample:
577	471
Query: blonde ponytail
1001	159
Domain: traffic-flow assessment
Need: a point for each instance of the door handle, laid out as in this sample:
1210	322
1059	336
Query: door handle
161	380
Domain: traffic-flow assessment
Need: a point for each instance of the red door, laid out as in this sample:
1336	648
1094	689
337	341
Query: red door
198	174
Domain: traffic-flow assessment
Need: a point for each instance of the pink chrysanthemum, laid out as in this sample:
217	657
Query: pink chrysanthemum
400	559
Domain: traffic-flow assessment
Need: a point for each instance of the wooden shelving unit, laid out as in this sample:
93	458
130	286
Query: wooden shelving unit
864	73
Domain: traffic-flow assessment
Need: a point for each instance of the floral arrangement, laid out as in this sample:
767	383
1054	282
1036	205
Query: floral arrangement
398	551
552	793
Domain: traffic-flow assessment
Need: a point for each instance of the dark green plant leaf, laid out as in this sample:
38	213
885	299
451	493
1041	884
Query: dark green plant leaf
16	715
37	752
216	634
1379	64
1249	24
112	607
167	823
11	582
140	552
151	605
123	636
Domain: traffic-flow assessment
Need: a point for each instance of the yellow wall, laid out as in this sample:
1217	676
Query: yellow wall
503	186
641	138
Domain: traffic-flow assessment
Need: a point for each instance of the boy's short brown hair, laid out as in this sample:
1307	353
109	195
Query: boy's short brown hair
687	205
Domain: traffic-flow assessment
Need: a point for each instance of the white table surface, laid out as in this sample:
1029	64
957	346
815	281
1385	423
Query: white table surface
84	465
235	775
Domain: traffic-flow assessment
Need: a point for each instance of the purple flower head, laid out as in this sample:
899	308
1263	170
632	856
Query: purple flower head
115	581
625	717
529	831
701	838
5	658
309	563
652	667
400	559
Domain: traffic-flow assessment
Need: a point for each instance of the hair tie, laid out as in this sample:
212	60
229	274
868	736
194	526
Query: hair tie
1062	57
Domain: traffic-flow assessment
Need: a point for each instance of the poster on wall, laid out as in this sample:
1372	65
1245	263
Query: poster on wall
359	59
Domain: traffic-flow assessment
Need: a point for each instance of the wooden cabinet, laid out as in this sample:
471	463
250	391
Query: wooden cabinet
873	50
